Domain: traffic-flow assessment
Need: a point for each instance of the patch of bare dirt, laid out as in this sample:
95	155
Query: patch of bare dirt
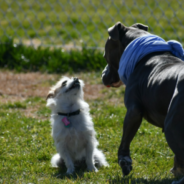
18	86
37	42
23	85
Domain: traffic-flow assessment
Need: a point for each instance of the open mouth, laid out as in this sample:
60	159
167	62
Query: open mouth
76	84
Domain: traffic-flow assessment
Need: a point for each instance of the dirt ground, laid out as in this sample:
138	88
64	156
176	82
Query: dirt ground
19	86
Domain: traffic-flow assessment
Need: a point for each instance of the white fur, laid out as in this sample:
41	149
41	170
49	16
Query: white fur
79	140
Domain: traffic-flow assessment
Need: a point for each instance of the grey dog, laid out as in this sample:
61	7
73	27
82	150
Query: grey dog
154	91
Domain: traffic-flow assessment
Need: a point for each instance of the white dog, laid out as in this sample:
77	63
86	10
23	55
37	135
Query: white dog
72	127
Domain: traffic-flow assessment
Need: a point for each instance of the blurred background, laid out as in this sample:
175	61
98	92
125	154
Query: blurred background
72	23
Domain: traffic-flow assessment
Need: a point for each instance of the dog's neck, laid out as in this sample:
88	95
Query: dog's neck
70	107
70	114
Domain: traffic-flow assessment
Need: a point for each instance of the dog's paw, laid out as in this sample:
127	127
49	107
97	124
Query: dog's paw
125	164
172	170
92	169
178	172
174	182
181	181
70	171
178	182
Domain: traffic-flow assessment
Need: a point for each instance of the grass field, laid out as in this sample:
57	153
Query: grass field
27	146
65	22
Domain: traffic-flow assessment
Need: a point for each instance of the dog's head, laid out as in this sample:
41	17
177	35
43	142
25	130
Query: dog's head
119	37
66	91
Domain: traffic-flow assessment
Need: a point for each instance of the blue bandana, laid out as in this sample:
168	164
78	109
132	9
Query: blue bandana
143	46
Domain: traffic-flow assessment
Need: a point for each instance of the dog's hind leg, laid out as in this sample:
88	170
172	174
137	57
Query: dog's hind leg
57	161
99	158
89	156
174	127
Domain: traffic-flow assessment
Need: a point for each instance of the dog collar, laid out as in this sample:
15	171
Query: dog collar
143	46
69	114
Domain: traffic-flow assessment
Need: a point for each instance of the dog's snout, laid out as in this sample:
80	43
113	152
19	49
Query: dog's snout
76	80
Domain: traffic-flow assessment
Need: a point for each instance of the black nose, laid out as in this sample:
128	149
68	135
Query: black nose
76	79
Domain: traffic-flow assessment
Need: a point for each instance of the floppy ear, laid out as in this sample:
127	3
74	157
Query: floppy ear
50	95
114	31
140	26
50	99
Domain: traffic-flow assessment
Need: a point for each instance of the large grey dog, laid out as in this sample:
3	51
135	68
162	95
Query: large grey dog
154	90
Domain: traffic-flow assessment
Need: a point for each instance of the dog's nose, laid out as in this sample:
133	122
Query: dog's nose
76	79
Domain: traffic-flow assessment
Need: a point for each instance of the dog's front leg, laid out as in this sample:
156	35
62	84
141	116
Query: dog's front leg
64	153
132	123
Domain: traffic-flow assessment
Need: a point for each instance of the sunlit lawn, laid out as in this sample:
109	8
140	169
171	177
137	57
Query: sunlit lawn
27	146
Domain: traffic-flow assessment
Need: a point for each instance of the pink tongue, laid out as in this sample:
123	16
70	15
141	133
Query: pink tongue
108	86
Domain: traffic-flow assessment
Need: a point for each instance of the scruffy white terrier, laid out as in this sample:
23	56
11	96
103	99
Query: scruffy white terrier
72	127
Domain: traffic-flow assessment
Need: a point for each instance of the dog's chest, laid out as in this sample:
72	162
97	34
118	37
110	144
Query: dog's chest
76	142
75	137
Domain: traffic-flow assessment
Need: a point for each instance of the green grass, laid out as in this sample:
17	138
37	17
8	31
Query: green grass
27	146
64	22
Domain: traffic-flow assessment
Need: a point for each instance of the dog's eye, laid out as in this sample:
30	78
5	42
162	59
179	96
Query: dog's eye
64	83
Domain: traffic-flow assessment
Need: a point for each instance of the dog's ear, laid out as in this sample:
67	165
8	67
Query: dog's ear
50	99
50	95
140	26
114	31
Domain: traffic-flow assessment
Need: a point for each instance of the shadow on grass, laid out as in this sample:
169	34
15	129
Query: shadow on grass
61	174
130	179
79	173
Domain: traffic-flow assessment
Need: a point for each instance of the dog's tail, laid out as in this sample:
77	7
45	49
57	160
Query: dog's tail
56	161
100	159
